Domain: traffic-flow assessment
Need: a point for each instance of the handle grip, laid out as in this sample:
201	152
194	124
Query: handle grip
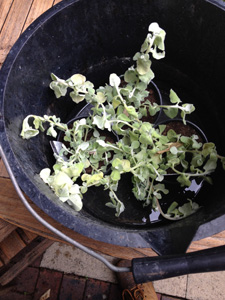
156	268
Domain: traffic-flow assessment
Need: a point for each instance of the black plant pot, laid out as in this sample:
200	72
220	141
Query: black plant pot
96	38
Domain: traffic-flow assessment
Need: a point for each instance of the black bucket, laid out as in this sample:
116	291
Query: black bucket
96	38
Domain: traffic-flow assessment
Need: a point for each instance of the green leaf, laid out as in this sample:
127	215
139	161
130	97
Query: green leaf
143	65
123	117
76	97
147	77
182	211
188	208
153	109
137	55
59	88
188	108
162	128
100	97
115	175
114	80
173	97
207	149
130	76
174	150
135	145
74	171
78	79
115	102
161	187
197	160
51	131
121	164
99	121
92	179
38	123
102	143
126	165
75	201
84	145
27	131
61	179
119	209
145	139
184	180
172	208
172	135
131	111
44	174
211	164
156	41
171	112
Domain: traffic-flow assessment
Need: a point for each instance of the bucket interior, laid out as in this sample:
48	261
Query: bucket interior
96	38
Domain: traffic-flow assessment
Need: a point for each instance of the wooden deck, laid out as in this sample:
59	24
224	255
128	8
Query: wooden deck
18	229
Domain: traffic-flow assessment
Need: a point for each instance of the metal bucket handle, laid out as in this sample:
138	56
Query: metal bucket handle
143	269
50	227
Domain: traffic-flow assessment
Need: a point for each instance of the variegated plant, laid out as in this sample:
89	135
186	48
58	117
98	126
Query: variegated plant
142	150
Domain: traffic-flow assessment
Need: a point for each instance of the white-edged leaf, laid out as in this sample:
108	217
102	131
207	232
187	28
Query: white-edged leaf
114	80
78	79
44	174
75	201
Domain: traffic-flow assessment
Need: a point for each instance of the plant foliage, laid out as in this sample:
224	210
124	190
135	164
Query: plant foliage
142	149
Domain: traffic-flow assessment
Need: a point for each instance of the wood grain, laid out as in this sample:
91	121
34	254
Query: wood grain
13	26
38	7
14	212
23	259
12	245
5	229
57	1
4	10
3	172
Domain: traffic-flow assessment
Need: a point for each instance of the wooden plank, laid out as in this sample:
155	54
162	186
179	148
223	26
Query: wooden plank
13	211
57	1
5	229
12	245
30	235
25	235
4	259
4	10
3	172
209	242
38	7
23	259
13	26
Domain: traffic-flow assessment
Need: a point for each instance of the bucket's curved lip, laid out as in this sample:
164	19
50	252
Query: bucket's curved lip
91	229
218	3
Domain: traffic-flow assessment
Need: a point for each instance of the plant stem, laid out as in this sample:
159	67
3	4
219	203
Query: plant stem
192	174
150	190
